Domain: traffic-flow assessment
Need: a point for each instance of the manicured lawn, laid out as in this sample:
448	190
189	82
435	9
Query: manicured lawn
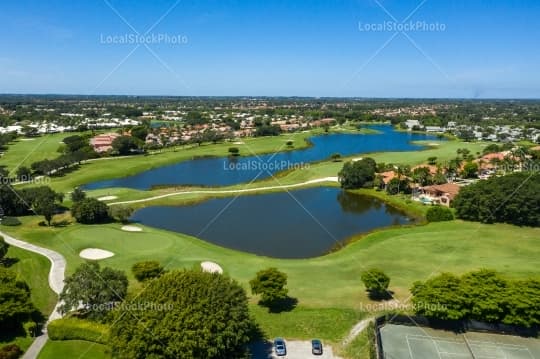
74	349
24	152
331	281
332	324
34	269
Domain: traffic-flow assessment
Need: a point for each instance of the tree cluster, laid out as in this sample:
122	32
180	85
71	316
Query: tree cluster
513	199
184	314
358	174
482	295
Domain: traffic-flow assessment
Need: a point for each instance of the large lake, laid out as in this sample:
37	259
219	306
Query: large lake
222	171
297	224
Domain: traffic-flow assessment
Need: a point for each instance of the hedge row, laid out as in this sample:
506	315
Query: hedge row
78	329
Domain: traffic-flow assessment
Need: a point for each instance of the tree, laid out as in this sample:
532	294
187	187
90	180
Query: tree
78	195
496	200
440	297
93	291
194	314
125	145
336	157
432	160
43	199
75	143
484	291
396	186
422	176
270	284
90	211
47	208
439	214
376	283
4	247
143	271
139	132
470	170
121	213
24	173
358	174
15	304
234	151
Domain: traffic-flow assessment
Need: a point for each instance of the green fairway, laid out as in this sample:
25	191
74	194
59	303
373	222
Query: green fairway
24	152
74	349
406	254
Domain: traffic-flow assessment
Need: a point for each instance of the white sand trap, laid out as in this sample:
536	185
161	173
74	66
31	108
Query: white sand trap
129	228
107	198
238	143
211	267
29	139
357	159
95	253
434	144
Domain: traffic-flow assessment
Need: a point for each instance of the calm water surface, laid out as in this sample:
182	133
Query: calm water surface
275	224
225	171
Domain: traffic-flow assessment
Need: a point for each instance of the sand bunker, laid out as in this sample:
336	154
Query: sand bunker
95	253
131	228
238	143
211	267
107	198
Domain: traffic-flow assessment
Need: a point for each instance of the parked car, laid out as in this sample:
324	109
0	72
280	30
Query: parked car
316	347
280	347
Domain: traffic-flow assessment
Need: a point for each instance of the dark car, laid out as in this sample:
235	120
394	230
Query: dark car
280	347
316	347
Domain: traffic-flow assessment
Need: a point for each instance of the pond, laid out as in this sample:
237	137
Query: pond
298	224
223	171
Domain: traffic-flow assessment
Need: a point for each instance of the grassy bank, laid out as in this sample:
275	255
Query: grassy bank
407	254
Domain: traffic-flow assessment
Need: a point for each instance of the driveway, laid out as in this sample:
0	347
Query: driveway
295	350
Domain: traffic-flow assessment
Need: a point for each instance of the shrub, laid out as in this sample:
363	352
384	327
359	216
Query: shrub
234	151
31	328
78	329
10	221
10	351
439	214
147	270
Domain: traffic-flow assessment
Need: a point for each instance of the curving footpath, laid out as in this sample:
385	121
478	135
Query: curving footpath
56	282
232	191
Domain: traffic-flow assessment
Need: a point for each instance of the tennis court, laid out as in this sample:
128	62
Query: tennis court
411	342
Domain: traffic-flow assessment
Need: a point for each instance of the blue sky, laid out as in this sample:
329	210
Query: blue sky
479	48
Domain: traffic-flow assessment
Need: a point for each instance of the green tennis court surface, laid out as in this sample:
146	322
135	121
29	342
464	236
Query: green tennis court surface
409	342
